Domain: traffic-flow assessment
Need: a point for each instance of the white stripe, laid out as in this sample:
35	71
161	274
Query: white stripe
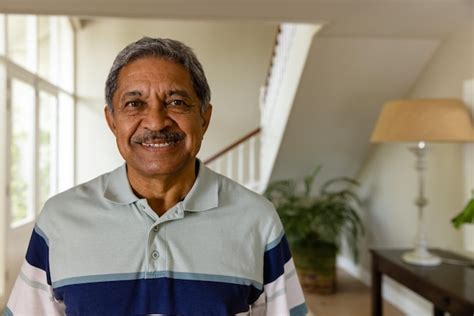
26	299
33	273
259	307
285	292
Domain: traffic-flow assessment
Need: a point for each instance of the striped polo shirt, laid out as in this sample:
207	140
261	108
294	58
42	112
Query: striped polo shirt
98	249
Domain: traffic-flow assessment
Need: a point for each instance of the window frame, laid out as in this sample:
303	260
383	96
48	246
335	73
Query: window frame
9	70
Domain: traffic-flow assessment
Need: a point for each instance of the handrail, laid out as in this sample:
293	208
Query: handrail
232	146
275	45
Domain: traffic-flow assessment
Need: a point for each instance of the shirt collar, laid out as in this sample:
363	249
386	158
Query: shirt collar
204	193
118	189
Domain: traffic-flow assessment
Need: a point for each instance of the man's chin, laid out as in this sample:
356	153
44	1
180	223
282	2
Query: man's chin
153	169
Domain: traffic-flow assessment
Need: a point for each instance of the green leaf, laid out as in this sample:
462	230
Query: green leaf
466	216
325	218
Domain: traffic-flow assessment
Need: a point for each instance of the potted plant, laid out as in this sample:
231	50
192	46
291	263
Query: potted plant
315	225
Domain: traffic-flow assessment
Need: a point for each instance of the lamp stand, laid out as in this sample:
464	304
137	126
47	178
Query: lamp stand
420	254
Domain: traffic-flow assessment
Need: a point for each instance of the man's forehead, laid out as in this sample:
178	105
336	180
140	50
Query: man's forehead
153	60
138	77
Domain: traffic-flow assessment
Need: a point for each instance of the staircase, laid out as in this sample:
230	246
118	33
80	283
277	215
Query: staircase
250	159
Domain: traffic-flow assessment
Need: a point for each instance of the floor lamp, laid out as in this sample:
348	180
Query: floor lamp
423	121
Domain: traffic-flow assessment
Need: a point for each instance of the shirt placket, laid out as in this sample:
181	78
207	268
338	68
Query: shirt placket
157	251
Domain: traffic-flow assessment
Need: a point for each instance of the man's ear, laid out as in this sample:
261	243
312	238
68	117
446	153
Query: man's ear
109	117
206	117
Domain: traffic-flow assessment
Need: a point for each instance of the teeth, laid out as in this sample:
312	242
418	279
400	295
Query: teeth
156	145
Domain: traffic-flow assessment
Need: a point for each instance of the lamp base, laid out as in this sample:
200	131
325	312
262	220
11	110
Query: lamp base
421	257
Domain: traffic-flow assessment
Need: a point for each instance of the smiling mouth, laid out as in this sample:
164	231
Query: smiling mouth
159	145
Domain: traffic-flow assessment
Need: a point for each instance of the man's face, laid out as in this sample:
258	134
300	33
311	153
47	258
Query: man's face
157	121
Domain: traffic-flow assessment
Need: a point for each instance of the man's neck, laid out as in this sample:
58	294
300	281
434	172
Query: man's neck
164	191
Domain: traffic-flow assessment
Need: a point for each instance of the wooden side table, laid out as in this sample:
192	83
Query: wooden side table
449	287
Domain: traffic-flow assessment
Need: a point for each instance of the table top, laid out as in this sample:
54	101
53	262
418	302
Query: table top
456	279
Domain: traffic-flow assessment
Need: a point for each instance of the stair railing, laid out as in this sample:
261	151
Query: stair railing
240	160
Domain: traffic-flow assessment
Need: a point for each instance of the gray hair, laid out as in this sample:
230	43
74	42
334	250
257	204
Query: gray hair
169	49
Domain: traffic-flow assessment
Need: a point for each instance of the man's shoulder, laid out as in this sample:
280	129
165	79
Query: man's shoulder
82	196
89	189
239	195
233	188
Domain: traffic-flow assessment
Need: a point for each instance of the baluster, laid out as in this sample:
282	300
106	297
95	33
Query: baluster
240	164
252	144
230	164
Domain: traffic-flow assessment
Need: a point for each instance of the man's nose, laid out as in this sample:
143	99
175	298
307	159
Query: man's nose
157	118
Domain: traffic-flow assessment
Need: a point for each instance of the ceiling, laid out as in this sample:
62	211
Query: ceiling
395	18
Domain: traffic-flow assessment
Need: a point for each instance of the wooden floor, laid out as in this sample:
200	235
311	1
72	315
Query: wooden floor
351	299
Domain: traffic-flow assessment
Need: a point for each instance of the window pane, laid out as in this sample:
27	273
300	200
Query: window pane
3	163
45	42
66	51
65	142
21	151
47	148
2	34
22	44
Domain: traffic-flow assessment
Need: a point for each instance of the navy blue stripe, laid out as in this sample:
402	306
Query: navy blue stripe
274	261
157	296
38	254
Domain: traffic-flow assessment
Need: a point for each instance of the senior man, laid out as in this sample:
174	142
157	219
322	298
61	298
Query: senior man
162	234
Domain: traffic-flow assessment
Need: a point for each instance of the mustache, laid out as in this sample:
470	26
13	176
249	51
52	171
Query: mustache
165	135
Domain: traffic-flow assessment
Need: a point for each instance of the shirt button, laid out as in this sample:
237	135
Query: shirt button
156	228
155	254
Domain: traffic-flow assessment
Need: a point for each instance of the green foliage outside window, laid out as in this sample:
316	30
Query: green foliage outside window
18	185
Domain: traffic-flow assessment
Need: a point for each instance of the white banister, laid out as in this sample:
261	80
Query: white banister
240	163
252	160
230	165
253	167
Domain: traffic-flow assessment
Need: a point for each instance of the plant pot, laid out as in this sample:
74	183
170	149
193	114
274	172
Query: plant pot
316	268
312	281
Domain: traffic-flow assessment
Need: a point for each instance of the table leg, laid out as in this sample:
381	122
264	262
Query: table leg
437	311
376	289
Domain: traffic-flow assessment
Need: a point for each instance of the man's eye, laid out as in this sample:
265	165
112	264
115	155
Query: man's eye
178	103
133	104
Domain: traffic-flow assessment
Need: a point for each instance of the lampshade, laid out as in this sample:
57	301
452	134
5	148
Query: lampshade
432	120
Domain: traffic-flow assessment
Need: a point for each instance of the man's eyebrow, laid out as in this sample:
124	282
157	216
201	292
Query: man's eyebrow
182	93
133	93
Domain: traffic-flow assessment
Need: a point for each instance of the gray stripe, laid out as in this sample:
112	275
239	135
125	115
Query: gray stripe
42	234
34	284
99	278
276	294
290	274
275	242
300	310
7	312
206	277
155	275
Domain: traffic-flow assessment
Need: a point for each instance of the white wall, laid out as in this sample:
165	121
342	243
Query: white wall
235	57
389	179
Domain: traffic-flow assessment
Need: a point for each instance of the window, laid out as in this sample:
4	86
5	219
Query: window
22	120
38	56
47	155
36	124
